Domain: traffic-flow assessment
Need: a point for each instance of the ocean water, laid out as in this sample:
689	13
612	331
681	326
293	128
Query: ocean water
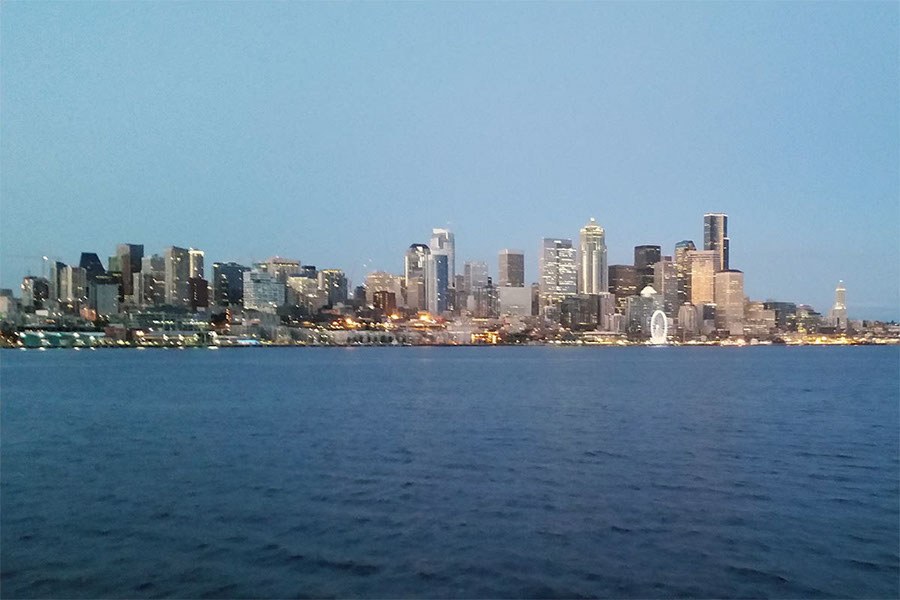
451	472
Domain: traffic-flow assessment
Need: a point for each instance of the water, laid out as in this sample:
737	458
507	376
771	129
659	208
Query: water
451	472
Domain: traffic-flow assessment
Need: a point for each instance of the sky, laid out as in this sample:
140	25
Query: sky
340	133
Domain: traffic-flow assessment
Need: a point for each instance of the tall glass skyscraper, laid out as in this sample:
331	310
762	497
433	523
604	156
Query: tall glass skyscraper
511	265
683	270
715	237
438	283
415	270
443	242
558	272
591	263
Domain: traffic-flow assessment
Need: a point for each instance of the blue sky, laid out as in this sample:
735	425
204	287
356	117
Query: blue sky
341	133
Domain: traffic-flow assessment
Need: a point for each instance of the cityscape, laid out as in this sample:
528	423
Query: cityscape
691	295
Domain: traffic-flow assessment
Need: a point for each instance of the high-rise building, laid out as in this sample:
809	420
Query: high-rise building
305	292
262	291
729	298
644	258
149	286
443	242
103	295
838	313
475	275
437	285
72	286
623	282
178	271
91	264
665	281
195	260
228	283
592	268
702	264
35	291
558	271
129	258
639	311
55	280
334	283
198	288
282	268
385	301
416	265
512	268
683	270
715	237
379	281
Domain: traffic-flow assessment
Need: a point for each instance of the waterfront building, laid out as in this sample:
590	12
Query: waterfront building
91	264
129	258
639	311
228	283
475	275
282	268
838	314
623	282
514	301
195	262
729	299
306	293
558	271
262	291
511	265
715	238
665	281
688	321
437	286
415	268
702	264
385	301
334	283
644	258
103	295
785	314
198	289
443	242
683	270
177	273
591	261
759	321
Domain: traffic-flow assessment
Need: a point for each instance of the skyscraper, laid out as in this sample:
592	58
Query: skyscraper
729	297
55	279
558	272
644	258
443	242
665	282
715	237
512	268
195	262
72	286
475	275
228	283
262	291
702	264
415	270
593	275
683	270
438	283
282	268
177	265
91	264
129	257
334	283
838	313
623	282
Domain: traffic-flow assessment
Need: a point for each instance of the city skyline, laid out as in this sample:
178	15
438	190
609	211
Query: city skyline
783	116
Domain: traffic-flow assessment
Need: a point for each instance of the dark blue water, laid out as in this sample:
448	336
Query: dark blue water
451	472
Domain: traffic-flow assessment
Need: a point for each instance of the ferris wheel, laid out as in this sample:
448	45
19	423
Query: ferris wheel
659	328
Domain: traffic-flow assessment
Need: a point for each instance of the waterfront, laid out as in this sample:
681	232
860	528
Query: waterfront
452	472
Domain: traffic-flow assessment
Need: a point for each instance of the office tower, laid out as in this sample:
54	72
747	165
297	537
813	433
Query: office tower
334	283
437	284
592	268
785	314
309	271
54	280
198	290
35	291
688	321
514	300
758	320
665	281
379	281
103	295
385	301
623	282
838	313
729	298
558	272
195	262
443	242
228	283
129	258
72	286
512	268
683	270
177	273
149	286
416	264
91	264
475	275
715	237
282	268
644	258
702	264
485	301
262	291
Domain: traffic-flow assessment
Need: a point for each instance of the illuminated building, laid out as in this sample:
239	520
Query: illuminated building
282	268
838	313
177	273
129	258
35	291
558	271
437	285
702	265
72	286
334	283
758	320
228	283
379	281
415	270
262	291
688	321
91	264
729	298
644	258
511	268
715	238
305	292
639	310
591	261
683	270
443	242
665	281
623	282
385	301
195	262
475	275
54	280
785	314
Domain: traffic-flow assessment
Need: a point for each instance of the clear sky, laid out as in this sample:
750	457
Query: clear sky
341	133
